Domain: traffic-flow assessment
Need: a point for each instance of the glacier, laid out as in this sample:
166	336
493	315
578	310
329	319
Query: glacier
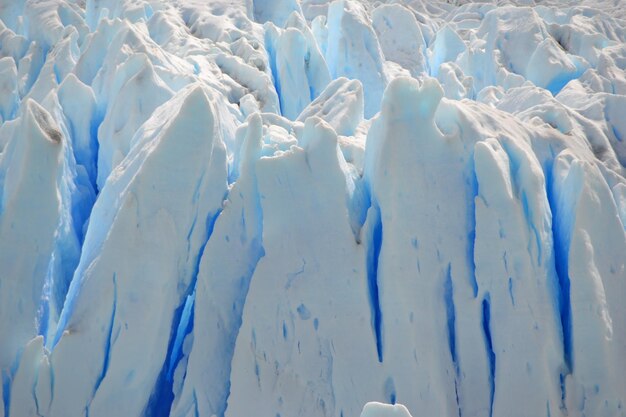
312	208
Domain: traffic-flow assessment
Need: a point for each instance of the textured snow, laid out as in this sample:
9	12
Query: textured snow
312	208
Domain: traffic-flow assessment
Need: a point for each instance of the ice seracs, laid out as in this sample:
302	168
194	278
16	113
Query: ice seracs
514	243
340	105
228	262
354	51
310	208
8	86
296	310
32	163
183	167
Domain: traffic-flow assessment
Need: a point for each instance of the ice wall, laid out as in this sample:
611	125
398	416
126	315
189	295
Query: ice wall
309	208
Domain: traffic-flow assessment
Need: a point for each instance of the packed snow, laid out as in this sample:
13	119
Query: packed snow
312	208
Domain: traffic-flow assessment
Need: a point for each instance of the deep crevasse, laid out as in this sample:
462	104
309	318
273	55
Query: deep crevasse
291	208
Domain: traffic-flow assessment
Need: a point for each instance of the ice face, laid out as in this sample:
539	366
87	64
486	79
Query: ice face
340	105
177	205
312	208
353	50
31	164
374	409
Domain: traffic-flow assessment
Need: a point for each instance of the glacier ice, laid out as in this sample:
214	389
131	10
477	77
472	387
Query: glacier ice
312	208
375	409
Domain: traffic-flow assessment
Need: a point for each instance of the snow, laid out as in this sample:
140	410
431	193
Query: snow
312	208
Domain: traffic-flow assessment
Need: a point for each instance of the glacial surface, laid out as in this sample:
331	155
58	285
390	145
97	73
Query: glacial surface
291	208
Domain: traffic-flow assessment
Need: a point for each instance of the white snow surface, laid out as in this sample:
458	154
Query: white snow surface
309	208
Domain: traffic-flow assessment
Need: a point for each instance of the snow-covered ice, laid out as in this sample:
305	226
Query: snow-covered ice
312	208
